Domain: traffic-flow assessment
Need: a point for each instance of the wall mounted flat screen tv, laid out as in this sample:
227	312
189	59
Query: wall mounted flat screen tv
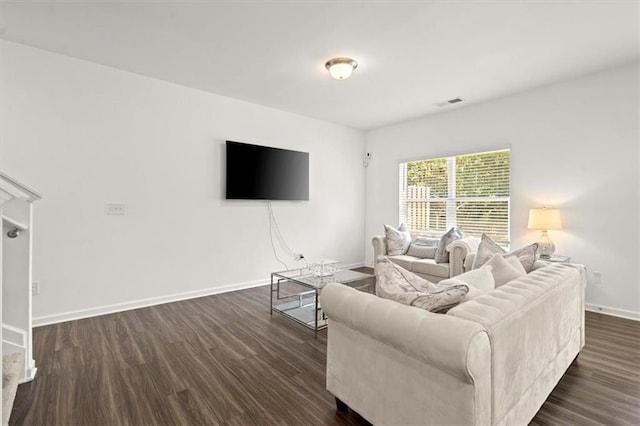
256	172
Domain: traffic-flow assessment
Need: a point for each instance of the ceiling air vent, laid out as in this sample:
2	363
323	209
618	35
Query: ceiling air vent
449	102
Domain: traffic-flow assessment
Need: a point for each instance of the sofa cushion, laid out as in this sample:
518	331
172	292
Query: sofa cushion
422	252
426	241
424	247
442	255
430	267
398	240
396	283
402	259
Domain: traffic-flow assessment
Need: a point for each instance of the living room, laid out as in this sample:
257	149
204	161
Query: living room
131	104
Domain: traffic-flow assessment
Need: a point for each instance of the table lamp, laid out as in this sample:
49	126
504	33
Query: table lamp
545	219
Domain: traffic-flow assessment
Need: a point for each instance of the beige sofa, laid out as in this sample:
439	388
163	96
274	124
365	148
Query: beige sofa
492	360
459	250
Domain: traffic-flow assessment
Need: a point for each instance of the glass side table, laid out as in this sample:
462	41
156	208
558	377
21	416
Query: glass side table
558	258
294	294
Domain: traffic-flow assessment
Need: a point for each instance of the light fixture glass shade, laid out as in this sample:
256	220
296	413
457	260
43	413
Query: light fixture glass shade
545	245
544	219
341	68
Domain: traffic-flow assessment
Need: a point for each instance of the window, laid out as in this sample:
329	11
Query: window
471	191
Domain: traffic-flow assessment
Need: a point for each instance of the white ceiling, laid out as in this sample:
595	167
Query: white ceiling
411	54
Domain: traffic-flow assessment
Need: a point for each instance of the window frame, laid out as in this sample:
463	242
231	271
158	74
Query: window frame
451	202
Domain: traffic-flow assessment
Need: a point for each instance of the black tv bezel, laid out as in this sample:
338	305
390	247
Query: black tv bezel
273	148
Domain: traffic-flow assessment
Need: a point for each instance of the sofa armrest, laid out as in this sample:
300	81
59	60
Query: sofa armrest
379	247
449	344
458	252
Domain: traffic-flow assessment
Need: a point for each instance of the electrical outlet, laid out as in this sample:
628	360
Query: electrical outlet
116	208
35	288
298	256
597	278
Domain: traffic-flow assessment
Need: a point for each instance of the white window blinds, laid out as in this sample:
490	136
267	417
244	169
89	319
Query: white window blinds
471	191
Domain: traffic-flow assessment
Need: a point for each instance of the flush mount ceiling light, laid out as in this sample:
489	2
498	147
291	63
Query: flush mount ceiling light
341	68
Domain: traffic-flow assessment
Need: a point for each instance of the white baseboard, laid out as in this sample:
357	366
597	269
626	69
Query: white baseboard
142	303
622	313
353	265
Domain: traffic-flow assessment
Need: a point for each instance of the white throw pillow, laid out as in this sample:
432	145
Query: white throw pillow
480	278
516	263
502	270
479	281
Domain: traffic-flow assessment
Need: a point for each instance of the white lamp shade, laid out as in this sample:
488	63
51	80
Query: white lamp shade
545	219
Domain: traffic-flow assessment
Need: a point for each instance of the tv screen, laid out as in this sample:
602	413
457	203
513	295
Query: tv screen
256	172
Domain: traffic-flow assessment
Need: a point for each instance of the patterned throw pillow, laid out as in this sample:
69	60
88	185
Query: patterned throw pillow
442	255
488	247
398	240
396	283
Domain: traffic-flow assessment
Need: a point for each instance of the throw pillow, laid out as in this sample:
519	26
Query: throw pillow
396	283
502	271
427	241
488	247
481	278
398	240
515	262
479	281
442	255
473	291
423	252
526	255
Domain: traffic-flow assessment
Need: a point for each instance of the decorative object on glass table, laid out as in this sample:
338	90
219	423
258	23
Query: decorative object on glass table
323	267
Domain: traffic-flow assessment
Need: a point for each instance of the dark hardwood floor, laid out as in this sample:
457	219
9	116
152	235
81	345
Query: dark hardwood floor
224	360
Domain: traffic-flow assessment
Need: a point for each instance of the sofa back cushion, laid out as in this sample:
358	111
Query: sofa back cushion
421	251
530	321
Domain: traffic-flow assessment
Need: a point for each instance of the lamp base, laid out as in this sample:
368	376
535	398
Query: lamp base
545	246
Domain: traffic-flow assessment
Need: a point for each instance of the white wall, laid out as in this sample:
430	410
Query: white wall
573	145
85	134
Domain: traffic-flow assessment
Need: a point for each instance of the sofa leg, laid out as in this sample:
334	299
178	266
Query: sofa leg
341	405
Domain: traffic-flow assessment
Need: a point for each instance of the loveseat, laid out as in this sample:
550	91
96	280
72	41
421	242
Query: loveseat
458	250
492	360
